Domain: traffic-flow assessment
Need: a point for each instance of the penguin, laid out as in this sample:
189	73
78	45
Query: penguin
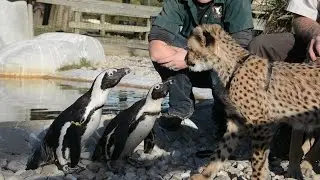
68	133
132	126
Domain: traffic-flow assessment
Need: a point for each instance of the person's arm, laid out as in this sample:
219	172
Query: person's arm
163	32
308	30
305	25
159	43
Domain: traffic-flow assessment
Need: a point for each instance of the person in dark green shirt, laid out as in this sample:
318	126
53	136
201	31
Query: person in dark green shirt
168	48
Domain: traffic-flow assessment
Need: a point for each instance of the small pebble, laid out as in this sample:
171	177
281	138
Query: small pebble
70	177
7	173
222	177
36	177
50	170
94	167
87	174
15	165
27	173
14	178
3	163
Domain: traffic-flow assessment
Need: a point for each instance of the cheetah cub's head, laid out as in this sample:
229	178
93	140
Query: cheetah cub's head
205	47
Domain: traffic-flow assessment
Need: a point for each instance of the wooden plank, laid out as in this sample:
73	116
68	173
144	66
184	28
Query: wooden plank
149	27
108	27
86	3
106	6
102	21
77	19
118	11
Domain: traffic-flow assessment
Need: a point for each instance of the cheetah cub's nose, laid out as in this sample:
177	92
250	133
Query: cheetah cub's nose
188	62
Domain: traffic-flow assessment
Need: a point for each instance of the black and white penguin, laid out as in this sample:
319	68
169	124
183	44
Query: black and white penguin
132	126
69	131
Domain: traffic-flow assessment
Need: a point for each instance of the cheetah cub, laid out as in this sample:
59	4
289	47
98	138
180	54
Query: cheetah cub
258	95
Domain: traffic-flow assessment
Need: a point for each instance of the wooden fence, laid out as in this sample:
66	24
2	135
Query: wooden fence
67	15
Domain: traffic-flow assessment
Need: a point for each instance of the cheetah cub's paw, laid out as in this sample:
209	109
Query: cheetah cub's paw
198	177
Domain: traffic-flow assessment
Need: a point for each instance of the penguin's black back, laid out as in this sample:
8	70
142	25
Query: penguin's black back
74	113
128	115
123	119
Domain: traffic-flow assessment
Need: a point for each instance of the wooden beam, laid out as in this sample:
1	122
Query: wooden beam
117	11
104	4
108	27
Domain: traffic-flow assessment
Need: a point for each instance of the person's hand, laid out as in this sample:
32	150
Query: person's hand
314	48
176	61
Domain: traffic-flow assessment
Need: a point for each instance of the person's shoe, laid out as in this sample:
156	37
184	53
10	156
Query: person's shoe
170	123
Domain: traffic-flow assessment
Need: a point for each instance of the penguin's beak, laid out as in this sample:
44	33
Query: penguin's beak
125	71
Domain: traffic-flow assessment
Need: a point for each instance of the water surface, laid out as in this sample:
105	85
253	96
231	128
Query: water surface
42	99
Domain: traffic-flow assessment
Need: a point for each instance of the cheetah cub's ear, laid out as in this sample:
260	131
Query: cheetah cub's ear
200	39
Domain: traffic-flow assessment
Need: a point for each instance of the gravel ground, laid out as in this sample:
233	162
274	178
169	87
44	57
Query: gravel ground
173	156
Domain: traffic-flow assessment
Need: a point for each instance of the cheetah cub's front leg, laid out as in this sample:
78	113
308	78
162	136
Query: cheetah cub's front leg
261	138
226	146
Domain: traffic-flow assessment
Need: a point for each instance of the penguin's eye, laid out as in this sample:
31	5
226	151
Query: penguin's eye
157	87
110	73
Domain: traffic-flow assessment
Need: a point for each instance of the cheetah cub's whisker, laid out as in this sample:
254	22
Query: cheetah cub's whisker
257	94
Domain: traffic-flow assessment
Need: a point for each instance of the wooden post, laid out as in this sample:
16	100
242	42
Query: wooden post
77	19
102	21
51	21
59	16
149	28
65	19
30	20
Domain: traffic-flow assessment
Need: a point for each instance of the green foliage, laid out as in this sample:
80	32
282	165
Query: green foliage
277	18
83	63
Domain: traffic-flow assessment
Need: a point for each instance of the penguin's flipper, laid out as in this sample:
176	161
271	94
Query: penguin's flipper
74	140
121	134
99	150
34	161
41	155
149	142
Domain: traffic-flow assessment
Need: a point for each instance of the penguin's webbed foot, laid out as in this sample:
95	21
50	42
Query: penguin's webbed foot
67	169
116	166
136	162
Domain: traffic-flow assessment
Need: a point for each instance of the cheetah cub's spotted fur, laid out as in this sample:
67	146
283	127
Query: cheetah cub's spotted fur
258	95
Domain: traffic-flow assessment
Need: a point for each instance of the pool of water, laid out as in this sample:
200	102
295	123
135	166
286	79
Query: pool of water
43	99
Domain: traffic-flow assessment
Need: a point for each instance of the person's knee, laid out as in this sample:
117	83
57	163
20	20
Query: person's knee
257	44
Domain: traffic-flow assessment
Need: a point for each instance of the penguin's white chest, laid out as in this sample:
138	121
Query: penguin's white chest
138	134
92	125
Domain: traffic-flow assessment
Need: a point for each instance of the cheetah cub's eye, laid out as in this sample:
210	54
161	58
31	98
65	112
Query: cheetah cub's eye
209	38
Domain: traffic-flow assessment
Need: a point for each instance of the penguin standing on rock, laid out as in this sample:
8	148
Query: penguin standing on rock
69	131
132	126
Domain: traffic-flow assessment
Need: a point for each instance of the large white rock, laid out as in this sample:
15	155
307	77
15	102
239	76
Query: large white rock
46	53
23	55
14	24
87	47
1	43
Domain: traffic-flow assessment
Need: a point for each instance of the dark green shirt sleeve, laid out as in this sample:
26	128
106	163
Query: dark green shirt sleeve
238	15
171	16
